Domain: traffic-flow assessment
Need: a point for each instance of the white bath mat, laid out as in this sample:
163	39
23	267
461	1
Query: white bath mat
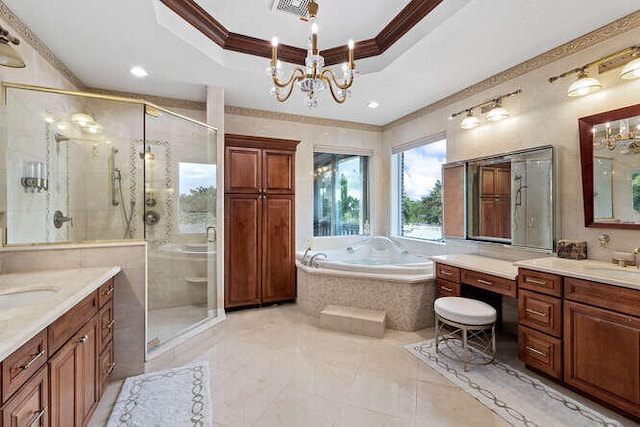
174	397
519	398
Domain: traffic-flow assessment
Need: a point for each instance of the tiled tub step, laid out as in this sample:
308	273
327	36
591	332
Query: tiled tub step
354	320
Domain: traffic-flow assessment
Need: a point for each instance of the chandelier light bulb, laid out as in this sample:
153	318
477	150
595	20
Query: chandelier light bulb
351	44
631	70
314	28
584	85
274	42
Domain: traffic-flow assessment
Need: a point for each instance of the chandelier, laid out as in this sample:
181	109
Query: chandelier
314	78
627	140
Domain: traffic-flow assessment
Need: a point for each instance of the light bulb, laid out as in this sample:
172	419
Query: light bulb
584	85
497	113
470	121
274	42
314	28
631	70
351	44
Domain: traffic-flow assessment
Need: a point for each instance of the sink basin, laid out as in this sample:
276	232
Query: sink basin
632	274
23	298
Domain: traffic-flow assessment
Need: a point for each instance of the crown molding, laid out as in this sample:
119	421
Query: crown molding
599	35
272	115
158	100
200	19
25	33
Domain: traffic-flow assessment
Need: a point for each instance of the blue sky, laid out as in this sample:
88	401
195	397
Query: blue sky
422	168
193	175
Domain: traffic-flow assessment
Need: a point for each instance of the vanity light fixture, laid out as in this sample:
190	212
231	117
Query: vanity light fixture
82	119
494	109
585	84
8	55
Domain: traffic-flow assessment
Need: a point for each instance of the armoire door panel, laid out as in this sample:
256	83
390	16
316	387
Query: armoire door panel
243	170
243	215
278	279
279	172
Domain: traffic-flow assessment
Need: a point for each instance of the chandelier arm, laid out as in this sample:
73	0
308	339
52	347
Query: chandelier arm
332	77
296	73
332	90
292	83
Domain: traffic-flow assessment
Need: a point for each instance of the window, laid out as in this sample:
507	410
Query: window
340	194
197	199
417	180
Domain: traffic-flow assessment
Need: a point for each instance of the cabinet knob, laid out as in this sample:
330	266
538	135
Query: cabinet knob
83	339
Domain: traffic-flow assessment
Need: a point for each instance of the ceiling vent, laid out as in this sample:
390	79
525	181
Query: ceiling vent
299	8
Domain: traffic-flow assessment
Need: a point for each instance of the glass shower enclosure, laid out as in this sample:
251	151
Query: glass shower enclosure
82	167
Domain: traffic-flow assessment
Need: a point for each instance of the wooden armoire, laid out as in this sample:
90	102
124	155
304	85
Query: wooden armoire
259	220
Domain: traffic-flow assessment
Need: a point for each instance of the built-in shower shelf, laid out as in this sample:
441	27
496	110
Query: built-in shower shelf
196	280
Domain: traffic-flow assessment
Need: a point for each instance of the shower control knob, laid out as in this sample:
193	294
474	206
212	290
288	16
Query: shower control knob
151	218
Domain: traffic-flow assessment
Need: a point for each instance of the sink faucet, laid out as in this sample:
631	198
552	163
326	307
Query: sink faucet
313	262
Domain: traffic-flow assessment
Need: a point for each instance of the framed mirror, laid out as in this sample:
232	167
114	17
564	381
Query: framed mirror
610	159
510	198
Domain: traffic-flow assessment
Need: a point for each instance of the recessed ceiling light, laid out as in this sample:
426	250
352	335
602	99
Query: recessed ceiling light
139	72
372	104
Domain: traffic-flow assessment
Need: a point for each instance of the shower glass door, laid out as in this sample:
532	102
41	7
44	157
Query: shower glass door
180	192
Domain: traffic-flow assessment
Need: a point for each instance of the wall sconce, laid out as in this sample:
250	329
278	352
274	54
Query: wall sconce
493	108
35	177
8	55
585	85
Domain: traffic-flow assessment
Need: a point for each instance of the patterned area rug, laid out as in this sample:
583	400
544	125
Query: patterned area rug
519	398
175	397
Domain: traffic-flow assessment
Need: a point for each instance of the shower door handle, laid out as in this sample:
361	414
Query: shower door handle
215	234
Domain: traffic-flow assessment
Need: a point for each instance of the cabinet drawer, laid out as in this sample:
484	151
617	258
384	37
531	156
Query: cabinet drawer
623	300
105	293
69	323
540	351
22	363
550	284
540	312
29	406
492	283
444	288
106	324
447	272
105	367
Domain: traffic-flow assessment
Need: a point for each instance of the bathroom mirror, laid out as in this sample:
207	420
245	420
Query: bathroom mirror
510	198
610	158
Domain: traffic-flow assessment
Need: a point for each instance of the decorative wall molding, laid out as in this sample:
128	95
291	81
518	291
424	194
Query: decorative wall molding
272	115
158	100
599	35
25	34
201	20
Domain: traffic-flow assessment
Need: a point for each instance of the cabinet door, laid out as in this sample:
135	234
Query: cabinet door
73	379
279	172
602	354
278	278
503	218
243	213
243	170
487	185
502	181
28	407
488	218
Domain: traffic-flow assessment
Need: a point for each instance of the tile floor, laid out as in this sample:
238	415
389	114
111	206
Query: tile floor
166	323
274	367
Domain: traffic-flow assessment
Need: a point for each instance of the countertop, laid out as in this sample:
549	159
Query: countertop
596	271
496	267
19	324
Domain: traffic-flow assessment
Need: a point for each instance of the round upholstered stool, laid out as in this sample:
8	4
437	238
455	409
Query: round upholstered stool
475	321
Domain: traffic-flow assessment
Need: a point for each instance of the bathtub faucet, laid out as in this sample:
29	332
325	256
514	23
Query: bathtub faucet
304	257
313	262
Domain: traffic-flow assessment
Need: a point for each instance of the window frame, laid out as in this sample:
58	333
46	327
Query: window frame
367	202
397	178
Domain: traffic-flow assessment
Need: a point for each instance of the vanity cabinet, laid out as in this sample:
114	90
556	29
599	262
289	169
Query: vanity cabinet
58	376
540	321
447	281
259	220
602	342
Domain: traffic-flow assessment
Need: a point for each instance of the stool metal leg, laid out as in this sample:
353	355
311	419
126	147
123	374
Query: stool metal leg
465	358
437	333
